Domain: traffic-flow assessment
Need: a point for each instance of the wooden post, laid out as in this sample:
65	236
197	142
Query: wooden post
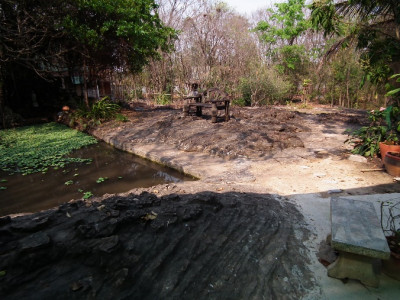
199	111
214	112
227	111
185	110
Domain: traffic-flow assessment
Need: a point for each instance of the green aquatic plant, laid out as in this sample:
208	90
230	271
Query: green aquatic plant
87	195
101	179
36	148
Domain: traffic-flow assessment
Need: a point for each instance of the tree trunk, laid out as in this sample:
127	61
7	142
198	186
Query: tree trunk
85	91
2	100
2	105
347	87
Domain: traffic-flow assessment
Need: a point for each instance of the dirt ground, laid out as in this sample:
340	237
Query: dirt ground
249	228
285	149
257	132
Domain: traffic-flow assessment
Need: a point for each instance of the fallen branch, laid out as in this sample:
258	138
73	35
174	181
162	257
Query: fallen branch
372	170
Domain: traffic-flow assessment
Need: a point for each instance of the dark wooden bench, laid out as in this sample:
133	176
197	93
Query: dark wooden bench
212	98
358	237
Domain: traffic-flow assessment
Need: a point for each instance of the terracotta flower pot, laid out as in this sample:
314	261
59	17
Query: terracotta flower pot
392	163
385	148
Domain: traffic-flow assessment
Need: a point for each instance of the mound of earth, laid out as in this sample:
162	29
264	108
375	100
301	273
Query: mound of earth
196	246
251	132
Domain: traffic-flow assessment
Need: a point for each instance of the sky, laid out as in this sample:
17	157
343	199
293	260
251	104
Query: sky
249	6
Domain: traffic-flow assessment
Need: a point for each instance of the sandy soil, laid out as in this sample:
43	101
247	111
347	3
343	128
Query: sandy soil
249	228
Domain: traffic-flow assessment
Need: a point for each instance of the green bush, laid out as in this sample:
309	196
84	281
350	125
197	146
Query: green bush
102	110
245	88
384	127
240	102
162	99
99	111
266	86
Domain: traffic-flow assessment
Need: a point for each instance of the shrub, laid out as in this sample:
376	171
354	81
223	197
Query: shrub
266	86
99	111
162	99
384	127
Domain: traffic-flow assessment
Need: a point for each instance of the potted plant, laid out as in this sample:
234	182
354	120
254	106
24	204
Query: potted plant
390	222
392	136
383	133
392	163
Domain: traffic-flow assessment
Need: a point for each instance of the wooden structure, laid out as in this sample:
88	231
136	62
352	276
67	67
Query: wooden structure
212	98
358	237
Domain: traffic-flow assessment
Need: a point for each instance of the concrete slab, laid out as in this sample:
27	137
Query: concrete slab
356	228
316	210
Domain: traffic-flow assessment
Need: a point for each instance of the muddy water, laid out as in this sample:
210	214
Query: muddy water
120	171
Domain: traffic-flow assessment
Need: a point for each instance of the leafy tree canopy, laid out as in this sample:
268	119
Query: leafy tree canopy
287	22
375	24
111	33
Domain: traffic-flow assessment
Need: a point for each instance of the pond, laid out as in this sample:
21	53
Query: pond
111	171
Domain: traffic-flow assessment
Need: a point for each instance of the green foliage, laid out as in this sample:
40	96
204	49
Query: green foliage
394	91
130	30
101	179
384	126
244	101
36	148
290	20
245	88
87	195
3	188
325	18
293	61
162	99
121	118
99	111
69	182
266	86
368	21
117	33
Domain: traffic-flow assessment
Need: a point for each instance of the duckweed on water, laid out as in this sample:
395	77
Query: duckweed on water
87	195
36	148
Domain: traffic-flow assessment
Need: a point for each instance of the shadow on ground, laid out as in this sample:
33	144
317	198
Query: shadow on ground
197	246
